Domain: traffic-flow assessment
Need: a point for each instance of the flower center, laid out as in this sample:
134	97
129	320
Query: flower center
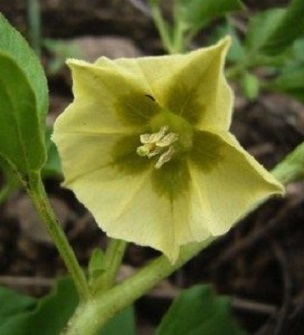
158	144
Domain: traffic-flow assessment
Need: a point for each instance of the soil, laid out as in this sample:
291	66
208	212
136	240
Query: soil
259	263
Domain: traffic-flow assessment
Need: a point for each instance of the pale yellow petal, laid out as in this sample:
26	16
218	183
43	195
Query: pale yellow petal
234	186
103	96
126	207
83	153
193	84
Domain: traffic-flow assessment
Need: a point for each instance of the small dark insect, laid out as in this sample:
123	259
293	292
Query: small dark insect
150	97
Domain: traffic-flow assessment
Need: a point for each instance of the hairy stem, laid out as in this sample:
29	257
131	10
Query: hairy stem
40	200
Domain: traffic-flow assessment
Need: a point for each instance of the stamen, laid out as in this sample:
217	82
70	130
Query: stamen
156	144
165	157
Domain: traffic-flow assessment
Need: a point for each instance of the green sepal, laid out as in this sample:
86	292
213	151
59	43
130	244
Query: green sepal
96	265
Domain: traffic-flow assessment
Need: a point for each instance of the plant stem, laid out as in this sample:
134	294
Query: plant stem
91	315
34	21
178	32
113	258
161	26
292	167
40	200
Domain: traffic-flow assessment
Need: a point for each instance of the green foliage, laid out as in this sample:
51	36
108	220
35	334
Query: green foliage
12	305
261	27
23	104
290	78
250	85
236	52
289	28
14	45
47	315
290	82
21	142
61	50
198	311
196	14
22	315
189	17
122	324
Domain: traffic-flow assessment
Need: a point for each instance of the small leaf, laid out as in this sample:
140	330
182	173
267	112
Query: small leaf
197	311
236	51
290	82
21	315
15	46
198	13
21	143
261	28
290	27
298	50
251	86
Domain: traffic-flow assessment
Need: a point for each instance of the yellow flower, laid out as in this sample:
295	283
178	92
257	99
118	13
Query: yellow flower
146	148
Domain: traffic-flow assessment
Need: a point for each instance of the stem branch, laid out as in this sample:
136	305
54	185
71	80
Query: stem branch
91	315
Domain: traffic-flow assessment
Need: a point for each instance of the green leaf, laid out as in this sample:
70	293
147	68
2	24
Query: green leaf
236	52
289	28
290	82
49	315
23	104
251	86
197	311
298	50
10	182
21	143
198	13
261	27
15	46
22	315
122	324
12	304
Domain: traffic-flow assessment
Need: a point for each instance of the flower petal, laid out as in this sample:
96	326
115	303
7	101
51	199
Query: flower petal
191	85
83	153
109	99
126	207
223	194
